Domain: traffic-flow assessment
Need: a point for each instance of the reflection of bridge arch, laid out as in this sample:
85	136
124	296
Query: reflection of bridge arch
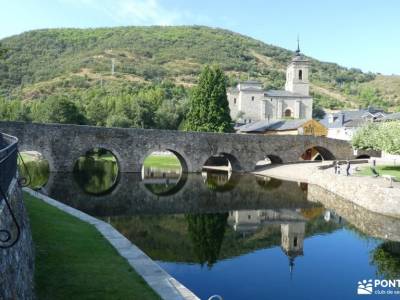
268	183
220	181
131	197
169	192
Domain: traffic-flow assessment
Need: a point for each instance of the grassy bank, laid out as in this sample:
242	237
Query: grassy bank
162	161
73	260
382	170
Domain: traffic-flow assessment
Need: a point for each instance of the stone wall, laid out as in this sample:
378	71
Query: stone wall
373	194
17	262
62	145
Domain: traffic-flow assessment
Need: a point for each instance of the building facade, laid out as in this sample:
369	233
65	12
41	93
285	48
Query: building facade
249	102
344	124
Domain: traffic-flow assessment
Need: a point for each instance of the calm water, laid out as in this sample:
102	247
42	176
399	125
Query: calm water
241	237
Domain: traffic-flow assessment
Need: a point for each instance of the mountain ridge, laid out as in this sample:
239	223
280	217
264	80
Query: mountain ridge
41	63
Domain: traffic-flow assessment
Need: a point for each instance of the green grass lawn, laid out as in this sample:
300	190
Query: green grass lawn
162	161
382	170
74	261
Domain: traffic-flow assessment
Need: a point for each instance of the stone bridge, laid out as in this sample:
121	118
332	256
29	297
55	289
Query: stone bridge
62	145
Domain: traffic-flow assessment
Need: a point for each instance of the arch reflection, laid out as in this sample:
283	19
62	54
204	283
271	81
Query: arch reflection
220	181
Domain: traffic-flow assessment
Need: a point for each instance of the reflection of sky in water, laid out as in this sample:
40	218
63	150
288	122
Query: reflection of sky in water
330	269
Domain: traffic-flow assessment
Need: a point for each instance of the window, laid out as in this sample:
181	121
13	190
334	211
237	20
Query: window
295	241
288	113
300	74
249	217
252	98
234	100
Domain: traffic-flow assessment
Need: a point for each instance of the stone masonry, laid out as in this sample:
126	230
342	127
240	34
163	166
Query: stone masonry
17	262
62	145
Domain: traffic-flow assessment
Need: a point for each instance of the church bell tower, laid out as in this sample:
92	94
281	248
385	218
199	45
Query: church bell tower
297	74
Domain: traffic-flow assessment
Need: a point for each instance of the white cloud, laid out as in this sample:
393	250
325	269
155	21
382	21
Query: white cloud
139	12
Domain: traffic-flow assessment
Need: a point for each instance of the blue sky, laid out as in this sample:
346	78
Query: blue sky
354	33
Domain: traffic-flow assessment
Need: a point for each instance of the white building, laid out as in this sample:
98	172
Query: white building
344	124
249	102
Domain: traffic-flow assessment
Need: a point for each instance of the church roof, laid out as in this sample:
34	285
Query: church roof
276	125
283	93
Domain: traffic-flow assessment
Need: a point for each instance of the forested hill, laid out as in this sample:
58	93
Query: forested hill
44	63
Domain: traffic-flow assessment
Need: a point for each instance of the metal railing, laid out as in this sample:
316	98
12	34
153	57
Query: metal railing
9	230
8	160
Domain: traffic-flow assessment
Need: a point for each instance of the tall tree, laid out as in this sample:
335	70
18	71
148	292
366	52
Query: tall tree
208	106
61	110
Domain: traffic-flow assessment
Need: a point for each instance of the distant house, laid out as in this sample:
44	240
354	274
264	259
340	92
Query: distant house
344	124
285	127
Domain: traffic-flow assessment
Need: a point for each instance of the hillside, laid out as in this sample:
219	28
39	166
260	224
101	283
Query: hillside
52	62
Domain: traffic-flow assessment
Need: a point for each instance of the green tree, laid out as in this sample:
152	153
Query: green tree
208	106
96	112
379	136
318	112
61	110
119	120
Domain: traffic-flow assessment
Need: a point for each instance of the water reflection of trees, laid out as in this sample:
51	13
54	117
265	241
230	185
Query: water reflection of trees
206	232
386	258
96	176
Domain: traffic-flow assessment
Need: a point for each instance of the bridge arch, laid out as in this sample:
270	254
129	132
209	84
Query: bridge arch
45	155
97	177
317	153
267	160
180	155
89	148
226	159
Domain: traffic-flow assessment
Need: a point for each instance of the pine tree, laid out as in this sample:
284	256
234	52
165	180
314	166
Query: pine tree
209	107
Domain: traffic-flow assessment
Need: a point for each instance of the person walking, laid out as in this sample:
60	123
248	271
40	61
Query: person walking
348	166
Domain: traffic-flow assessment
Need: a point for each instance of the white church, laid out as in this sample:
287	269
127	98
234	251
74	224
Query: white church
249	102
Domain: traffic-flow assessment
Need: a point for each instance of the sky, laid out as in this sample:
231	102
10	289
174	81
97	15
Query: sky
363	34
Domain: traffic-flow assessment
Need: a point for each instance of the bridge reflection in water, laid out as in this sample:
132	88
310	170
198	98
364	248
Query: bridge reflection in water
214	218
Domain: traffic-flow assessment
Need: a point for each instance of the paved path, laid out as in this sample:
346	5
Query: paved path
371	193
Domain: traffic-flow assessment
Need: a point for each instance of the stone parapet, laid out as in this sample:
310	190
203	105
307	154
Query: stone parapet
17	262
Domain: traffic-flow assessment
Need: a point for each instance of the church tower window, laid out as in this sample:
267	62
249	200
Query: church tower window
252	98
300	74
234	100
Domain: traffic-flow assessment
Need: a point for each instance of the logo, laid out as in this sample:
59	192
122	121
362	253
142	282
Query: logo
365	287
